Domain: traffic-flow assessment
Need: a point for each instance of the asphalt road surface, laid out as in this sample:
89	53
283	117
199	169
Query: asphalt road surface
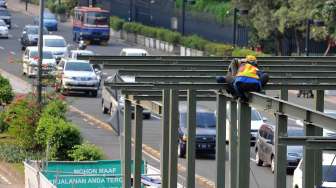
261	177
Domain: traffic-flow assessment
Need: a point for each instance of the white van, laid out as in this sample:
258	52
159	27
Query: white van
133	52
328	170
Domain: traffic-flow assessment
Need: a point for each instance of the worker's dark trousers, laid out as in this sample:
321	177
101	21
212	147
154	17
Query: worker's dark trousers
230	80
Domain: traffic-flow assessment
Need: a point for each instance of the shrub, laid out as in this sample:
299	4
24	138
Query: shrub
22	116
218	49
3	124
116	23
14	154
42	129
62	137
194	41
55	108
6	91
242	52
86	152
149	31
173	37
60	9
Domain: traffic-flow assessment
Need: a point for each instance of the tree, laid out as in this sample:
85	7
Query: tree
263	19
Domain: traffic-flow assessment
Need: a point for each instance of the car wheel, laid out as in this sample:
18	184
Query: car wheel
94	93
272	164
259	162
104	109
23	48
181	151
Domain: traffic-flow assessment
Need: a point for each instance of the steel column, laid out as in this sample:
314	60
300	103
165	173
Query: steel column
164	157
138	146
244	131
220	141
191	138
319	106
127	137
308	156
280	160
173	137
233	144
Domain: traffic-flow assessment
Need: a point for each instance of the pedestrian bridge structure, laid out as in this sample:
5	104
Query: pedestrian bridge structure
162	81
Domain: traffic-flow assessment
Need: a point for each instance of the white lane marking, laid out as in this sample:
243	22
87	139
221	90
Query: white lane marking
151	156
5	180
12	53
155	116
253	160
2	48
16	26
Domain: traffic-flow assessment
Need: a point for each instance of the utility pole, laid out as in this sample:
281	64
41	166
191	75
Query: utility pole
183	16
26	5
40	51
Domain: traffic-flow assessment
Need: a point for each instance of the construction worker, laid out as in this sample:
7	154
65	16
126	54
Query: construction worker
244	76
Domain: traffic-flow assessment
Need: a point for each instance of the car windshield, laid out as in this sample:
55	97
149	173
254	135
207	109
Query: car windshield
136	54
49	16
329	173
97	18
255	116
76	66
203	120
4	13
35	30
2	23
54	43
46	55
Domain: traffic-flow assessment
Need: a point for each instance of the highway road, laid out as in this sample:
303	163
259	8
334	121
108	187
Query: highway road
261	177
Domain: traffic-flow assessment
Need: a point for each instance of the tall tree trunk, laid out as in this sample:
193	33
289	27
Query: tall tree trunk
278	41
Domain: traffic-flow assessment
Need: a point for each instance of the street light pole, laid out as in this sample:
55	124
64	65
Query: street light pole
307	44
130	15
40	52
183	16
234	32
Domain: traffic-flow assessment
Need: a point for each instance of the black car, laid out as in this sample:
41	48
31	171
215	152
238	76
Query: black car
205	132
30	35
3	4
265	149
6	16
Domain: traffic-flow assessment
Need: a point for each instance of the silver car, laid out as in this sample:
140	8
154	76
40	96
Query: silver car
76	75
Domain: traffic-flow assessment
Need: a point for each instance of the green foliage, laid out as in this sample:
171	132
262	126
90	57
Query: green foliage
242	52
55	108
6	91
86	152
3	124
219	8
60	8
12	153
62	137
194	41
218	49
22	117
116	23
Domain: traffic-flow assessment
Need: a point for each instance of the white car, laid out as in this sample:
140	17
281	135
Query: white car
328	168
77	75
75	53
30	62
3	29
133	52
256	122
57	45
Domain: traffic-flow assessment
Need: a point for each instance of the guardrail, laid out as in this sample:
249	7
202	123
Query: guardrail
142	94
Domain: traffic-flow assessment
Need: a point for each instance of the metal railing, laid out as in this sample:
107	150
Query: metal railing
145	91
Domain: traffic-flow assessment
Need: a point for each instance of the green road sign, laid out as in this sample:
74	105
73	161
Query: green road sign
98	174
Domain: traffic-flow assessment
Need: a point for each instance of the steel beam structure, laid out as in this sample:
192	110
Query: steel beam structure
191	141
138	146
164	158
220	141
127	146
311	142
244	129
212	79
173	137
233	144
286	74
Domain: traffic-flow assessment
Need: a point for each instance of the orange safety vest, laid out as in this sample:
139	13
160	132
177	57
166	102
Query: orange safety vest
248	70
